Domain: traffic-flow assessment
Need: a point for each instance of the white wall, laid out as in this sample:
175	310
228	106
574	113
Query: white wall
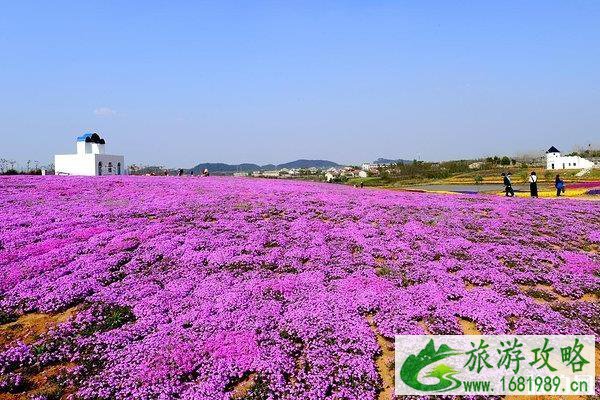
556	161
106	159
97	148
74	164
83	147
89	148
87	164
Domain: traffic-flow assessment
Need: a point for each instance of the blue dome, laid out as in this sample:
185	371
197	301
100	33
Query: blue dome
83	137
90	138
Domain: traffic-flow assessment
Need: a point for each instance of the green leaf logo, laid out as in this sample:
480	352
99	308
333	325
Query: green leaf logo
413	365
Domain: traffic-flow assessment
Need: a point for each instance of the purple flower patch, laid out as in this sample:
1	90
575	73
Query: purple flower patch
204	288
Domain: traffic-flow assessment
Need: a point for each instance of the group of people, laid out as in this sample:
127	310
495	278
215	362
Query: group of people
180	172
559	184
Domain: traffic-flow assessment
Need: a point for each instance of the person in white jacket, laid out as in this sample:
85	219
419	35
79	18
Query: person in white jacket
533	188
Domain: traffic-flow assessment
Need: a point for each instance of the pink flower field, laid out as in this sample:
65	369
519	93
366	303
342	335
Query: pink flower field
231	288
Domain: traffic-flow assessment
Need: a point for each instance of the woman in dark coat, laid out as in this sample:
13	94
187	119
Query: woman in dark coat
560	185
533	184
508	190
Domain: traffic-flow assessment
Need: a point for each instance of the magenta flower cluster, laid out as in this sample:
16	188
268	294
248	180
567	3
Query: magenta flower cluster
185	287
584	185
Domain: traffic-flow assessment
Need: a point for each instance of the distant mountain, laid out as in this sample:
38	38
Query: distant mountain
308	164
388	161
221	168
224	168
268	167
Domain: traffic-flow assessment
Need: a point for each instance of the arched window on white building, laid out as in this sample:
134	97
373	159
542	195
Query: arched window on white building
110	168
100	168
118	168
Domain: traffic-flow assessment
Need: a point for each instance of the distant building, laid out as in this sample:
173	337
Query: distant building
270	174
90	159
476	165
555	161
240	174
369	167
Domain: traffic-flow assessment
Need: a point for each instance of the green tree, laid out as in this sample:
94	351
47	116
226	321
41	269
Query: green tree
505	161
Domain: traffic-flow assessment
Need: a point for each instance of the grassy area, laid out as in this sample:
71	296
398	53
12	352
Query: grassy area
551	192
492	176
376	181
368	181
519	175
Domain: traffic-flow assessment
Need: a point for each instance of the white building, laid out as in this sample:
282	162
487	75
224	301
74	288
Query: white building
476	165
555	161
90	159
369	167
270	174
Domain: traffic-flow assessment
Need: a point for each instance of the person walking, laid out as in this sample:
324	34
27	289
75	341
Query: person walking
533	188
560	186
508	190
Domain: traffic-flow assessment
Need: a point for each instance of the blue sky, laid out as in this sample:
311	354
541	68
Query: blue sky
176	83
